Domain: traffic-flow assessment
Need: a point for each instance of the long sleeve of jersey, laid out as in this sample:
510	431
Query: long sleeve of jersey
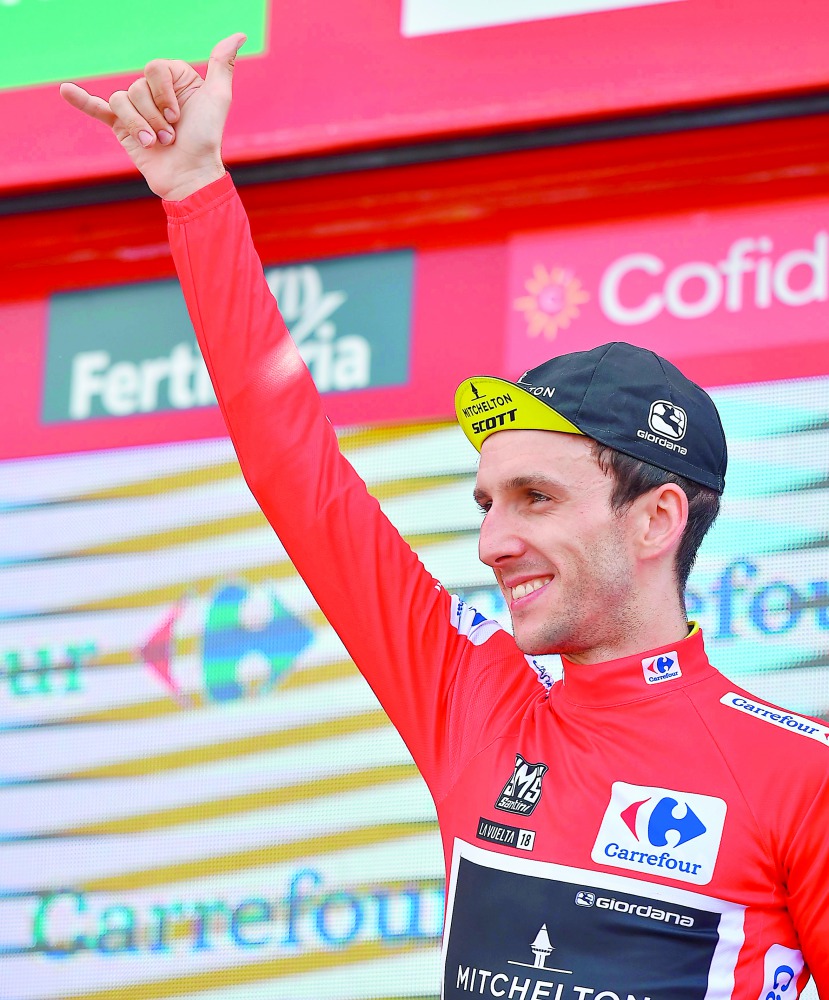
390	613
643	830
807	882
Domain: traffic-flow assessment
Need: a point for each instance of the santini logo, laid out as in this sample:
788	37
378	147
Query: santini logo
522	792
664	667
661	832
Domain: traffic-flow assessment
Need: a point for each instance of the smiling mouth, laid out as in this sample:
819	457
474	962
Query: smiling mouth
524	589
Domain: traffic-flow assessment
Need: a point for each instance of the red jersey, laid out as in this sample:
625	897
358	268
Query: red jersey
643	830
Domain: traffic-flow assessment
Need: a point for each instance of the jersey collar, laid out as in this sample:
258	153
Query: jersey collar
651	674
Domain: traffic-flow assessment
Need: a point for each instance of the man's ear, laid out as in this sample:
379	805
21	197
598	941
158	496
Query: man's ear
661	515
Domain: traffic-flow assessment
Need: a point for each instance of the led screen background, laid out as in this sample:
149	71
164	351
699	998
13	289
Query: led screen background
203	798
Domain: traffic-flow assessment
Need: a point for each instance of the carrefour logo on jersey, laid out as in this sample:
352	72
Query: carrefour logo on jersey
664	667
130	349
661	832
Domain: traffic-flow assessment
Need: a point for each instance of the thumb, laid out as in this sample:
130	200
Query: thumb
219	74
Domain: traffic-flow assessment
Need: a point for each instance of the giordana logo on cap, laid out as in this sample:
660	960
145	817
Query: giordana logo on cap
664	667
667	419
668	423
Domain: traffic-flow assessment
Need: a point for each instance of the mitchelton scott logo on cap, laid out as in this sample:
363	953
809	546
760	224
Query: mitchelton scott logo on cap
488	411
485	404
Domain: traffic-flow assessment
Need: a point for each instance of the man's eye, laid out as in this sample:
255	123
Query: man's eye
537	497
483	507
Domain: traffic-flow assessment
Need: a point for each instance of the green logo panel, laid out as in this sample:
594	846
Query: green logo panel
130	349
45	41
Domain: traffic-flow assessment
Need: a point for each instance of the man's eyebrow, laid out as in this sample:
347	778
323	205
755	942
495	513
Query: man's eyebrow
534	480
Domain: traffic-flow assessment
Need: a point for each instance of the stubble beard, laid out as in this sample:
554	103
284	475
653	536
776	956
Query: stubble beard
594	612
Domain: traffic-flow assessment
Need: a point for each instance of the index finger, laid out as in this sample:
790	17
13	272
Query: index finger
95	107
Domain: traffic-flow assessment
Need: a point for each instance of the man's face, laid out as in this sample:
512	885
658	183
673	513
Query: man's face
562	557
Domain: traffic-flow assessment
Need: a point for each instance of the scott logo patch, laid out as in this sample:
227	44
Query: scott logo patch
522	792
662	832
664	667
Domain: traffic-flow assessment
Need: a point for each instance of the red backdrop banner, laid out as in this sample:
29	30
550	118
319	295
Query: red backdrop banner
340	75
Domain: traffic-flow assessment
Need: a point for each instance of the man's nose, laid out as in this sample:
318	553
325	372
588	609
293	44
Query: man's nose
500	539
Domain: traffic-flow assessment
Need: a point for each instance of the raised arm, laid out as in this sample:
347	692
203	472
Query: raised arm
396	621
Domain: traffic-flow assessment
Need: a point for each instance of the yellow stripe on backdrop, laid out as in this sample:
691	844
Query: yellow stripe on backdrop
237	861
276	968
258	743
207	809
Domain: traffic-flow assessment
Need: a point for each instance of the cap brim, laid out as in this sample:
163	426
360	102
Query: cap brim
486	405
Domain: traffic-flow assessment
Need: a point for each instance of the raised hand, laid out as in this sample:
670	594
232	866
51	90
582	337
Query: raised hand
170	120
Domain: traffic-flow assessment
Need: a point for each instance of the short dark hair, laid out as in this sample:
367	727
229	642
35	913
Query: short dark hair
633	478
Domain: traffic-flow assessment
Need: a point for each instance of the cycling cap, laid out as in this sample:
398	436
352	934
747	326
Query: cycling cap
625	397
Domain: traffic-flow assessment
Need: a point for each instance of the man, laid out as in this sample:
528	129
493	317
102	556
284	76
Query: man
644	829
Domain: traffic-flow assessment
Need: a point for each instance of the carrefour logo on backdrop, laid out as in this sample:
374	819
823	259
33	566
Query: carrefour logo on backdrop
237	642
669	834
350	318
292	913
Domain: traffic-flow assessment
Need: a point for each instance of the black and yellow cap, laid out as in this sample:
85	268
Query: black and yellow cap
488	404
625	397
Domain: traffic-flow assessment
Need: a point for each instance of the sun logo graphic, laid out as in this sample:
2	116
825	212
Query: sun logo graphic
553	300
235	643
